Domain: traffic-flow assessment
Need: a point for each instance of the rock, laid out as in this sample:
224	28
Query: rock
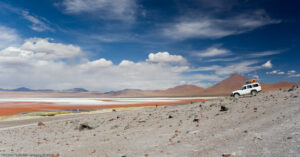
127	127
213	104
293	88
86	126
114	127
290	137
142	121
196	120
41	124
170	117
55	155
223	108
226	155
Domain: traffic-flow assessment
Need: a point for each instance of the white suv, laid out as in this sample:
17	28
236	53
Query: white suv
251	88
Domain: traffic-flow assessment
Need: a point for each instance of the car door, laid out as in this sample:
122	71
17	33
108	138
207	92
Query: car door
248	89
243	91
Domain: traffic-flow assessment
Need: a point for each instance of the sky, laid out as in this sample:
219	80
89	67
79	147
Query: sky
108	45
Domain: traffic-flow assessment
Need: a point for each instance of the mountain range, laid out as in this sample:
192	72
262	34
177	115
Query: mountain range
225	87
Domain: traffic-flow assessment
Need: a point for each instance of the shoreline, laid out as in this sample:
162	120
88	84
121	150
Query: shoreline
16	108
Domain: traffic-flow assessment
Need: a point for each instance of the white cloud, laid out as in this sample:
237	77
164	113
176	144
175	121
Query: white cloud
213	52
295	75
208	68
102	62
291	72
44	49
278	72
40	64
268	64
8	37
165	57
38	24
240	67
211	27
126	63
106	9
264	53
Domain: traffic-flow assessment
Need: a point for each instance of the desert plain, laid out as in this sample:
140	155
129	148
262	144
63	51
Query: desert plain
262	125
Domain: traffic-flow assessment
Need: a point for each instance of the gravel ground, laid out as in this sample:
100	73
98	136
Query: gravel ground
264	125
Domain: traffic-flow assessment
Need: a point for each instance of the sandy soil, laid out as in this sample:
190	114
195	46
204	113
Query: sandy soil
264	125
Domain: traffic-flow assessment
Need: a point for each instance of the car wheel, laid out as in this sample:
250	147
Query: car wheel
254	93
236	95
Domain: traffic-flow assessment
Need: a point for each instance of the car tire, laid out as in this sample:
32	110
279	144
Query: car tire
236	95
254	93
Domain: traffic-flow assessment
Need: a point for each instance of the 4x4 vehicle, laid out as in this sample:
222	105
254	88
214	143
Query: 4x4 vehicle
252	87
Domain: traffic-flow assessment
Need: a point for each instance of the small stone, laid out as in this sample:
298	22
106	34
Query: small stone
55	155
223	108
196	120
114	127
85	126
246	131
226	155
41	124
290	137
170	117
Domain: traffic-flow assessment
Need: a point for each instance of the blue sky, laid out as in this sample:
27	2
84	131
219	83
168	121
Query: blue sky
117	44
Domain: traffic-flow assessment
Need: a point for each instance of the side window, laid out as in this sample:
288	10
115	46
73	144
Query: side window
244	87
249	86
255	85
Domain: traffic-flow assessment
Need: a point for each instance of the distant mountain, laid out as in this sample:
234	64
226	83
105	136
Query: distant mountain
226	86
183	90
75	90
22	89
125	93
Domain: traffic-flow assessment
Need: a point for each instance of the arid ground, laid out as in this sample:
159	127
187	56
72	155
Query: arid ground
264	125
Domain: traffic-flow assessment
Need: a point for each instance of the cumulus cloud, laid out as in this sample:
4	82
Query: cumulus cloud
102	62
8	37
213	52
278	72
268	64
165	57
106	9
42	63
212	27
44	49
38	24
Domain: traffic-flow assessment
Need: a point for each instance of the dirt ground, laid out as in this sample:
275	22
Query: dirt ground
264	125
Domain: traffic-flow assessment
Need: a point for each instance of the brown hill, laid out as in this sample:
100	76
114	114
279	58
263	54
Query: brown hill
183	90
277	86
226	86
